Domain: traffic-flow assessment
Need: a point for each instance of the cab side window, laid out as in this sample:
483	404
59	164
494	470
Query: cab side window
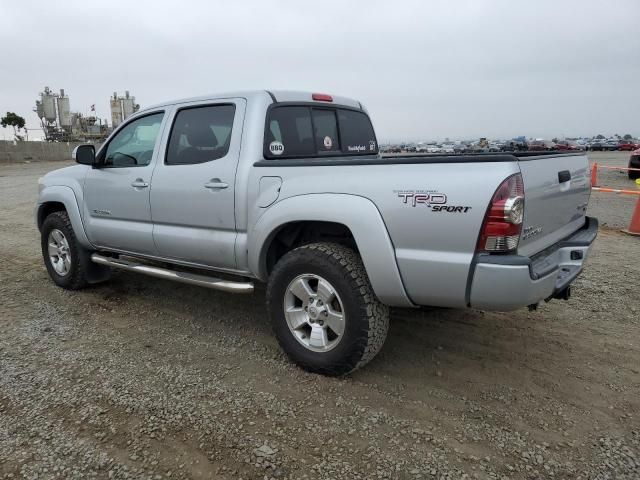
290	132
133	145
200	134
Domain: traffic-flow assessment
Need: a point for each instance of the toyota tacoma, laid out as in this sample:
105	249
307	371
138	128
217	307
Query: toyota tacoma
288	188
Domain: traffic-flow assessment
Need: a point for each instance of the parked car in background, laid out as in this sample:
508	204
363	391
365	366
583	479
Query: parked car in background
568	145
508	146
460	148
628	145
596	145
541	146
611	145
448	148
478	147
582	143
634	162
514	146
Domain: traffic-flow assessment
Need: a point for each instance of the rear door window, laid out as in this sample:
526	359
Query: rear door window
200	134
310	131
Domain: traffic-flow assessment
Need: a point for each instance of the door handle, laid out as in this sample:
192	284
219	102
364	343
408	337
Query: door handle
216	184
139	183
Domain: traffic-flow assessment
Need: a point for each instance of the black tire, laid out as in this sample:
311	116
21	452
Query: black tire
366	319
76	278
633	175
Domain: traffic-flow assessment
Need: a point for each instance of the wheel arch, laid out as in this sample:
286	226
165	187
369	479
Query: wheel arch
301	232
352	218
46	209
61	198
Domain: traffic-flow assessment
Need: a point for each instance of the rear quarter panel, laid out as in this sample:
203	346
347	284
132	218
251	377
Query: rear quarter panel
434	242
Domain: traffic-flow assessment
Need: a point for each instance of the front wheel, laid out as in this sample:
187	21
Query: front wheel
61	252
323	310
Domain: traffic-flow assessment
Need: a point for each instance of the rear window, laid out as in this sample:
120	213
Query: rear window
325	127
356	132
309	131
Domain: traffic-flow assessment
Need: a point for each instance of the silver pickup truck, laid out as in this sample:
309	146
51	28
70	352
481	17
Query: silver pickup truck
288	188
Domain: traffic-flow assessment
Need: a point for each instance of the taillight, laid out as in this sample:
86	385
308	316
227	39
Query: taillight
503	221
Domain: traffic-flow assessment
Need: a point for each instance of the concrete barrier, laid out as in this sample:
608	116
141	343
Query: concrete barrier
16	152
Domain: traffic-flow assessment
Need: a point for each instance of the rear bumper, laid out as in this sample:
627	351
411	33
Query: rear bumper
509	282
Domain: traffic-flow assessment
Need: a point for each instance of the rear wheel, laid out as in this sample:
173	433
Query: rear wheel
323	309
61	252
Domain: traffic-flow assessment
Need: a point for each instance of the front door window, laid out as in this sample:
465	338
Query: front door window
133	145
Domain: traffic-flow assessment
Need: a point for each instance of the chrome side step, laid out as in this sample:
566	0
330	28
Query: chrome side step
183	277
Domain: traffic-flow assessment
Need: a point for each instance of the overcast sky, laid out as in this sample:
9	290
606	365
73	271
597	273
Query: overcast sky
425	69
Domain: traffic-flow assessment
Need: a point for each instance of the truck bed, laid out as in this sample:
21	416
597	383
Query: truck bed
435	245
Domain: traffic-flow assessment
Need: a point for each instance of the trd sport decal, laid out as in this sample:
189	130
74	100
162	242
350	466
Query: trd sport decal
431	199
413	198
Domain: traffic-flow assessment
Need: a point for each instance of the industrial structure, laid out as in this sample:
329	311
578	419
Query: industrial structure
122	107
60	124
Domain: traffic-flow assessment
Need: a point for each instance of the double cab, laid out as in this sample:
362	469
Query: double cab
289	188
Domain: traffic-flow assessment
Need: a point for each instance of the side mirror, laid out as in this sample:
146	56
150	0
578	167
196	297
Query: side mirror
84	154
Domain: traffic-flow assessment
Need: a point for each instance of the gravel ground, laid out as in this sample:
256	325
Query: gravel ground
143	378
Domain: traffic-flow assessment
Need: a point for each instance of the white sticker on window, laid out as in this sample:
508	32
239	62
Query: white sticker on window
372	145
327	142
356	148
276	148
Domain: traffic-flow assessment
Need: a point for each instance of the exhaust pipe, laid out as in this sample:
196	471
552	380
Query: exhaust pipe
564	294
182	277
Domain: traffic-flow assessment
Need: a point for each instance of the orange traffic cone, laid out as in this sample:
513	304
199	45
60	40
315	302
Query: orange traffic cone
634	226
594	174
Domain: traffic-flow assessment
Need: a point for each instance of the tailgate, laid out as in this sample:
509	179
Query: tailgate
557	189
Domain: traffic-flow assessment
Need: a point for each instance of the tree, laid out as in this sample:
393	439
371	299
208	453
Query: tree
600	136
13	120
628	137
